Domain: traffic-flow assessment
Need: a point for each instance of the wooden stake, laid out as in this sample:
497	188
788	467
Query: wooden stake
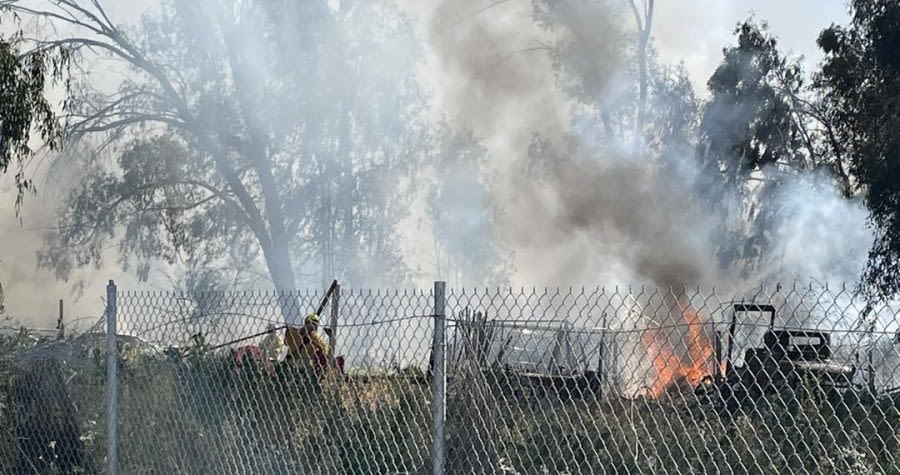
335	308
60	324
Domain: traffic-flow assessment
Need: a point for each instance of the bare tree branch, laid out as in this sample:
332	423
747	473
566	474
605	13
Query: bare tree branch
130	119
637	15
508	56
185	207
77	42
122	48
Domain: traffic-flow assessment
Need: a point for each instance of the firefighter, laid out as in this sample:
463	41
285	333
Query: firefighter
314	347
307	345
273	344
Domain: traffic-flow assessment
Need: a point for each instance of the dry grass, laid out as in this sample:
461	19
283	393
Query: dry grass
199	416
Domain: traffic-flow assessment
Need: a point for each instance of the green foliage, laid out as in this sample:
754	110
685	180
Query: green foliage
860	84
675	116
24	108
249	136
750	133
194	412
747	123
781	434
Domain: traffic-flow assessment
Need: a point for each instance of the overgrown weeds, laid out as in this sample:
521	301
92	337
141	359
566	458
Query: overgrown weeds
203	414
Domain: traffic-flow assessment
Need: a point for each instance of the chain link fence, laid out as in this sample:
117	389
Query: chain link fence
602	380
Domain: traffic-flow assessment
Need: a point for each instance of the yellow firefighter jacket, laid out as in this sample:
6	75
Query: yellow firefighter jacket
307	346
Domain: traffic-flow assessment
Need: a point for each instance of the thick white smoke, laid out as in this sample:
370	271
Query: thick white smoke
821	236
585	208
581	208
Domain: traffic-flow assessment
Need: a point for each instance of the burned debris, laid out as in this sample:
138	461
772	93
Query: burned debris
528	360
728	362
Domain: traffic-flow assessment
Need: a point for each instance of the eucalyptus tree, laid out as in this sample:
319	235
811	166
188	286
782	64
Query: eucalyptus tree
752	138
26	112
859	83
242	132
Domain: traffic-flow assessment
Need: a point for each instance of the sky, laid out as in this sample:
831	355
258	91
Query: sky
694	31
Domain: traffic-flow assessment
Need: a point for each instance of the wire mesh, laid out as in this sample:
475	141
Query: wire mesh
588	380
797	380
51	404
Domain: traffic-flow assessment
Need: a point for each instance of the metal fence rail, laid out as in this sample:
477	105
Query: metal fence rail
799	379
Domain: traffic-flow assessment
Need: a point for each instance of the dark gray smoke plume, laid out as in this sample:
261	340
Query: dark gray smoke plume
574	206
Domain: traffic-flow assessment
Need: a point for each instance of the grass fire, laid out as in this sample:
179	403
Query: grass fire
448	236
671	369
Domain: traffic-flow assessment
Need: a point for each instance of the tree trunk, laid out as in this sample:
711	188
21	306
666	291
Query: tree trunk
278	260
643	41
327	238
348	246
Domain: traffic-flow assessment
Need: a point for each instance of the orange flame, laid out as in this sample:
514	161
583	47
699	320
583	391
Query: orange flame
672	369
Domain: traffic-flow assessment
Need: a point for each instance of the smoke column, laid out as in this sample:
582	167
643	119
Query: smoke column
583	209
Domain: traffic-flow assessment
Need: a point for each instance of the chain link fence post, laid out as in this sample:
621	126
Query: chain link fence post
335	312
439	380
112	355
543	381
